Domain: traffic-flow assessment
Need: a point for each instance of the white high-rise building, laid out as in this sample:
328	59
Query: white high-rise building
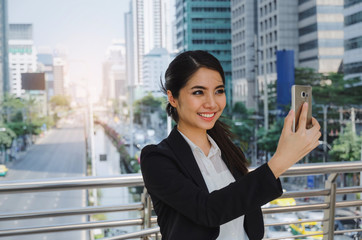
148	26
154	66
321	35
22	54
114	71
352	39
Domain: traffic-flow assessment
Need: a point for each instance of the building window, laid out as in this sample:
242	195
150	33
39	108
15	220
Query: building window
348	3
307	13
353	43
308	29
352	68
308	59
300	2
308	45
353	19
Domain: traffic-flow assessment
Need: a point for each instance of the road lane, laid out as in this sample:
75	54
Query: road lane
61	153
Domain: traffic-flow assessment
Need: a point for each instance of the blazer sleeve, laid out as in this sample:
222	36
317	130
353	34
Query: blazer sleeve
164	179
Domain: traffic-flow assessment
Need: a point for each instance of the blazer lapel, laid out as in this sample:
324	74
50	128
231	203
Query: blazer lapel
185	156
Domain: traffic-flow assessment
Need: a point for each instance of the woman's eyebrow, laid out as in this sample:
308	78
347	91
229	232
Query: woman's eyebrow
198	87
202	87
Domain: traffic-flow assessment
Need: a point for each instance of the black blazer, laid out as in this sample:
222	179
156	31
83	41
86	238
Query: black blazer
185	208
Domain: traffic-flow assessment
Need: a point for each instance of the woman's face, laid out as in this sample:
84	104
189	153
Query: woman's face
201	101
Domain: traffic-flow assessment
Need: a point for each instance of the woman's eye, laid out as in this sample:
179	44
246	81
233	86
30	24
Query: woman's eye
197	92
220	91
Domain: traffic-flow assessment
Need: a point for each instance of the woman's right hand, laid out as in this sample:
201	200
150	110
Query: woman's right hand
293	146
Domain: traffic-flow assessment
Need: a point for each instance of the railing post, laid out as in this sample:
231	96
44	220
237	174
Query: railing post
329	214
147	211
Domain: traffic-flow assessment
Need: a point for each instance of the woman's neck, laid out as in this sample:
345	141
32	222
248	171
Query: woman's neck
198	137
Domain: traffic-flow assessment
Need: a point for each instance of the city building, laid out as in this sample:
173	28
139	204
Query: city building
114	72
155	64
60	73
4	59
206	25
259	29
244	40
312	29
45	65
22	54
320	28
147	26
352	61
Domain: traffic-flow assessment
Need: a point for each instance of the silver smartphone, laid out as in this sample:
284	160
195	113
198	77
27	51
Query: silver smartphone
300	95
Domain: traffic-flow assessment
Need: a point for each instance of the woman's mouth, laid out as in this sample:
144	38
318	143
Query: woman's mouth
207	116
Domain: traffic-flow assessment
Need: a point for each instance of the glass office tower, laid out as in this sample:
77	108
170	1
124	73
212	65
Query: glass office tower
206	25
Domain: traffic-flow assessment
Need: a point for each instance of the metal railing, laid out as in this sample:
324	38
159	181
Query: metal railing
148	222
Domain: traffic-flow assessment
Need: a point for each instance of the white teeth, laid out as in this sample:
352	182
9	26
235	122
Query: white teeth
206	115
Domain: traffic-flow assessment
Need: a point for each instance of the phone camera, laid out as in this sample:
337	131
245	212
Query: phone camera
304	94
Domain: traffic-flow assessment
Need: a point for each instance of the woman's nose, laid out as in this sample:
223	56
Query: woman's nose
210	101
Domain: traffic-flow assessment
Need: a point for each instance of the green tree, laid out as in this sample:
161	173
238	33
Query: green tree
241	123
12	108
146	105
347	147
60	101
6	136
268	139
331	88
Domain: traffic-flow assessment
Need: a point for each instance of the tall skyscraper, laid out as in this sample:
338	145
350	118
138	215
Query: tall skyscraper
45	64
146	28
353	39
4	59
22	54
259	29
59	70
206	25
155	64
114	71
312	29
321	35
244	30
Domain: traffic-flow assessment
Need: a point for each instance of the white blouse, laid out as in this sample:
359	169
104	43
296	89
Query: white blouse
217	176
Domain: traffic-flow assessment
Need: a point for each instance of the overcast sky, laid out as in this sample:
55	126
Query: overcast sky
84	27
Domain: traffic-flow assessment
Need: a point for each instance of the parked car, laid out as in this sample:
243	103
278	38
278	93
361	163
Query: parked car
307	228
3	170
279	231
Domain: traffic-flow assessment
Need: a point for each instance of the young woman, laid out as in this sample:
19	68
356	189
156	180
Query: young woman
197	178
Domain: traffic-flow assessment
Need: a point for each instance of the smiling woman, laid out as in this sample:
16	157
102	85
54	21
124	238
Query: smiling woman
197	178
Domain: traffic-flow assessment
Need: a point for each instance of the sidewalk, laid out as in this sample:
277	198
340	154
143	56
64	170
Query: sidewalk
21	155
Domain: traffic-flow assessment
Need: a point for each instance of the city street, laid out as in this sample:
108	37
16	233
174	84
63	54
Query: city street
60	153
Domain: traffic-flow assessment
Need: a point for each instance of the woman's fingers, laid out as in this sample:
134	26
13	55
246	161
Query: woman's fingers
288	121
303	118
315	124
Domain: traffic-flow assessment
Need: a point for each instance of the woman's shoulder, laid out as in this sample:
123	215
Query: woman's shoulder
161	149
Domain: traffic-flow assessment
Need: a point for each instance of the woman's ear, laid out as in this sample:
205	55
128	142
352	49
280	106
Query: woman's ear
171	99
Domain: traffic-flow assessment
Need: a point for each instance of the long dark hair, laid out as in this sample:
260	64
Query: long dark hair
177	74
